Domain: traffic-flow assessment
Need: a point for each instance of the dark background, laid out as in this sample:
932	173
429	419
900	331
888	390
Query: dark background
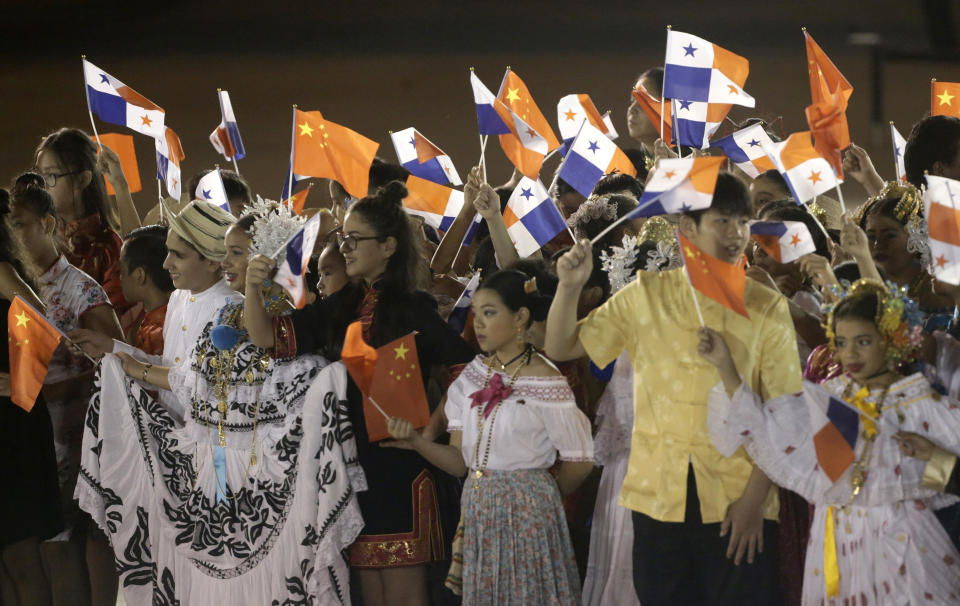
377	66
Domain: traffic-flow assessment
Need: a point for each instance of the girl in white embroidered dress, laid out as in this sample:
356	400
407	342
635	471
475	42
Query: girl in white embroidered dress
510	414
874	537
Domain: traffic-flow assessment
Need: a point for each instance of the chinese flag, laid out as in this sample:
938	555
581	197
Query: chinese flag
298	199
944	98
515	95
827	115
721	281
123	146
328	150
651	107
31	341
390	376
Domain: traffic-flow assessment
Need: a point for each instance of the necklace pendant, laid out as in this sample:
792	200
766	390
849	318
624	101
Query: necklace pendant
222	407
249	377
479	473
222	440
253	459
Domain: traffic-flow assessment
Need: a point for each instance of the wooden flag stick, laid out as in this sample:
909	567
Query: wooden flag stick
483	160
293	138
663	87
377	406
86	91
556	177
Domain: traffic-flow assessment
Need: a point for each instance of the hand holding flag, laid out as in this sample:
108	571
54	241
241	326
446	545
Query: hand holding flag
294	256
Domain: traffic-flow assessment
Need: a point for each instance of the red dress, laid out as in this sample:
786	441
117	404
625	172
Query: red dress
95	250
149	335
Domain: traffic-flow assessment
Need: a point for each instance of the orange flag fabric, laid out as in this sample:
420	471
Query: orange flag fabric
123	146
721	281
827	115
298	199
944	98
31	340
515	95
390	376
325	149
651	107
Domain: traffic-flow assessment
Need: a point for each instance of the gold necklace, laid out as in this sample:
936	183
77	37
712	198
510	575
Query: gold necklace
222	363
482	467
859	475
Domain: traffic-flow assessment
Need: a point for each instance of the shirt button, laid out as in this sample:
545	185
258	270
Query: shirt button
184	328
192	299
177	360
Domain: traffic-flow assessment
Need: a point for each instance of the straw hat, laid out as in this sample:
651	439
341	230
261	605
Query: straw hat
203	225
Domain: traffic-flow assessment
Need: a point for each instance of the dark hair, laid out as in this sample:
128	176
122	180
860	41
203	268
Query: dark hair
29	193
77	152
509	284
730	196
234	185
639	159
655	75
246	222
564	188
788	210
383	211
383	173
8	245
615	183
146	247
885	207
933	139
775	177
862	307
848	271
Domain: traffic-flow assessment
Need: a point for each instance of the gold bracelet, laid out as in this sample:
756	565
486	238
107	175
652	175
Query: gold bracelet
146	369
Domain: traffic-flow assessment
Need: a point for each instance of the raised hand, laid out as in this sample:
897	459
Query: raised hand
109	164
857	164
576	265
259	270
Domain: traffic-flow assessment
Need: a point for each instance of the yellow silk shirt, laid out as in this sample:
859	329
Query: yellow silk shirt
655	321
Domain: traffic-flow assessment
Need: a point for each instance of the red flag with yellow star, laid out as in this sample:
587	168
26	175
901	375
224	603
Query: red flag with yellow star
297	200
827	115
324	149
31	340
944	98
723	282
515	95
390	379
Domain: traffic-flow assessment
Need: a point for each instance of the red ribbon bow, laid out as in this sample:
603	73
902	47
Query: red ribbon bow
491	395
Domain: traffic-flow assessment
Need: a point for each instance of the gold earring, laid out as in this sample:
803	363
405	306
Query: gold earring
520	339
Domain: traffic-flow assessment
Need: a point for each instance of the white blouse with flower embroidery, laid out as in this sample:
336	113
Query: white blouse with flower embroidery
536	424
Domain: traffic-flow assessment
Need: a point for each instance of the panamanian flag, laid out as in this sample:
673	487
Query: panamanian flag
424	159
169	156
115	102
747	149
531	217
226	137
941	202
293	259
591	156
785	241
210	188
806	172
899	145
679	185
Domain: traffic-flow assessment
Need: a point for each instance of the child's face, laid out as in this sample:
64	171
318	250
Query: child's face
332	271
494	323
861	349
27	227
721	235
234	264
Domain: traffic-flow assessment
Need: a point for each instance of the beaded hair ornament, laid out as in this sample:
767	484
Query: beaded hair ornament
898	317
594	207
275	224
619	263
909	210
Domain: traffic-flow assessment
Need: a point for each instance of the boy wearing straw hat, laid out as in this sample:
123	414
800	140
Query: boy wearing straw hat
700	519
195	249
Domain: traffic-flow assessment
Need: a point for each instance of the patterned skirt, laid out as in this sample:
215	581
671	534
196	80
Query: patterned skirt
515	544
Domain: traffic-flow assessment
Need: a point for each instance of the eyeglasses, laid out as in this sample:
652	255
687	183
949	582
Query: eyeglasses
50	179
348	242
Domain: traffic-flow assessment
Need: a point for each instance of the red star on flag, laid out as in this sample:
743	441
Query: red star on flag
570	114
669	174
814	177
795	241
941	261
146	120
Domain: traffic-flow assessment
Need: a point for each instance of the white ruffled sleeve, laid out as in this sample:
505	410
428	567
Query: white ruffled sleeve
568	430
948	362
456	403
777	435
